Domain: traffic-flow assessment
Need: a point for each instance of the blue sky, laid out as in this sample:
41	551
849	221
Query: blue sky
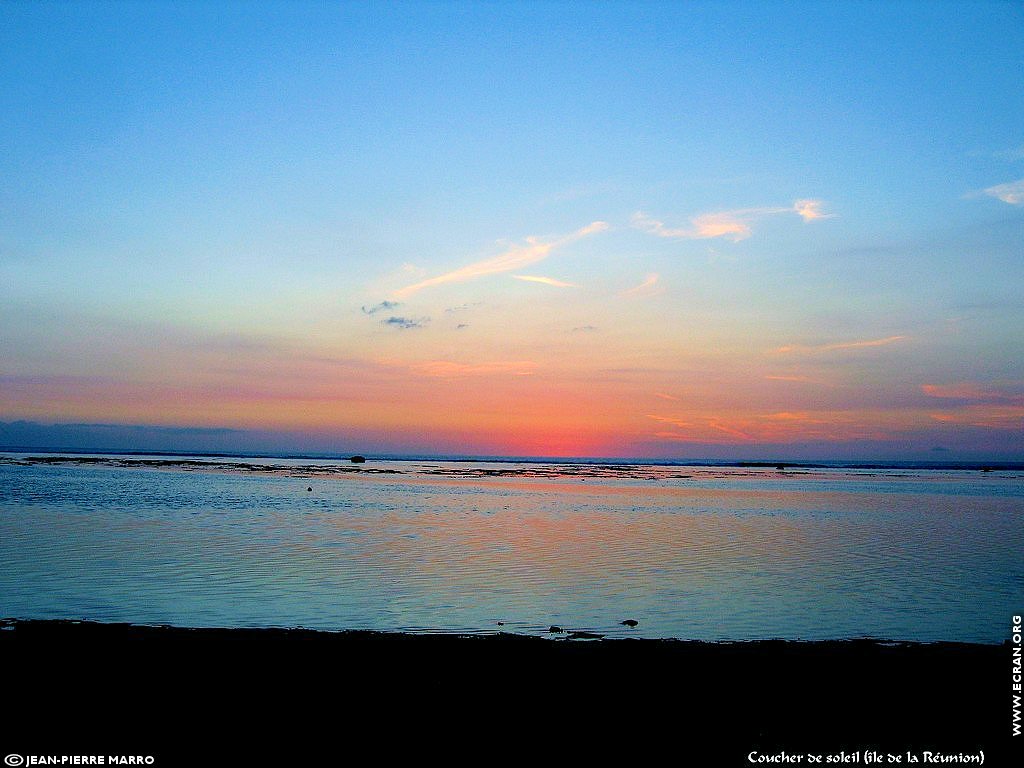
199	199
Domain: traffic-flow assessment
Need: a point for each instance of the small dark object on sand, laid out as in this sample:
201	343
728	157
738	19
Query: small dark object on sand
630	623
553	628
358	459
310	488
584	636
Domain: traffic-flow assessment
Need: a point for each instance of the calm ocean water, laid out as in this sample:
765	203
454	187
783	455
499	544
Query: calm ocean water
689	552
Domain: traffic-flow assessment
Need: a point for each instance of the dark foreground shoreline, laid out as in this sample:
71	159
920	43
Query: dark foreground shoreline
235	695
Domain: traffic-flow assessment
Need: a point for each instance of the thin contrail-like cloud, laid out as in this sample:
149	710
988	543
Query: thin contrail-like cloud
841	345
649	287
516	257
545	280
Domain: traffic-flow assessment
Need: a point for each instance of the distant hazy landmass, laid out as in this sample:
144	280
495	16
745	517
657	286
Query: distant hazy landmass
20	436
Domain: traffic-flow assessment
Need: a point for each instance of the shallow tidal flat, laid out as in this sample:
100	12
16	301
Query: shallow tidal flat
700	553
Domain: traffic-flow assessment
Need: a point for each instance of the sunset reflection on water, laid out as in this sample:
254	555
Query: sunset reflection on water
703	553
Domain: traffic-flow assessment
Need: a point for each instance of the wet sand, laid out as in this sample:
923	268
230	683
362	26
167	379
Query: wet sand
189	696
511	468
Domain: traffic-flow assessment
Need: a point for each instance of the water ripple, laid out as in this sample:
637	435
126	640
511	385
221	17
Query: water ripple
708	553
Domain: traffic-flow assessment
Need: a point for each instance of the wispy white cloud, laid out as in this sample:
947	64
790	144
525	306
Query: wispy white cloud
675	422
545	280
734	225
1011	192
810	210
726	224
448	369
841	345
789	378
649	287
516	257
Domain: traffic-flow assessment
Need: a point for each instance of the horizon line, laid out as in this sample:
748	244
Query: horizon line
762	462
